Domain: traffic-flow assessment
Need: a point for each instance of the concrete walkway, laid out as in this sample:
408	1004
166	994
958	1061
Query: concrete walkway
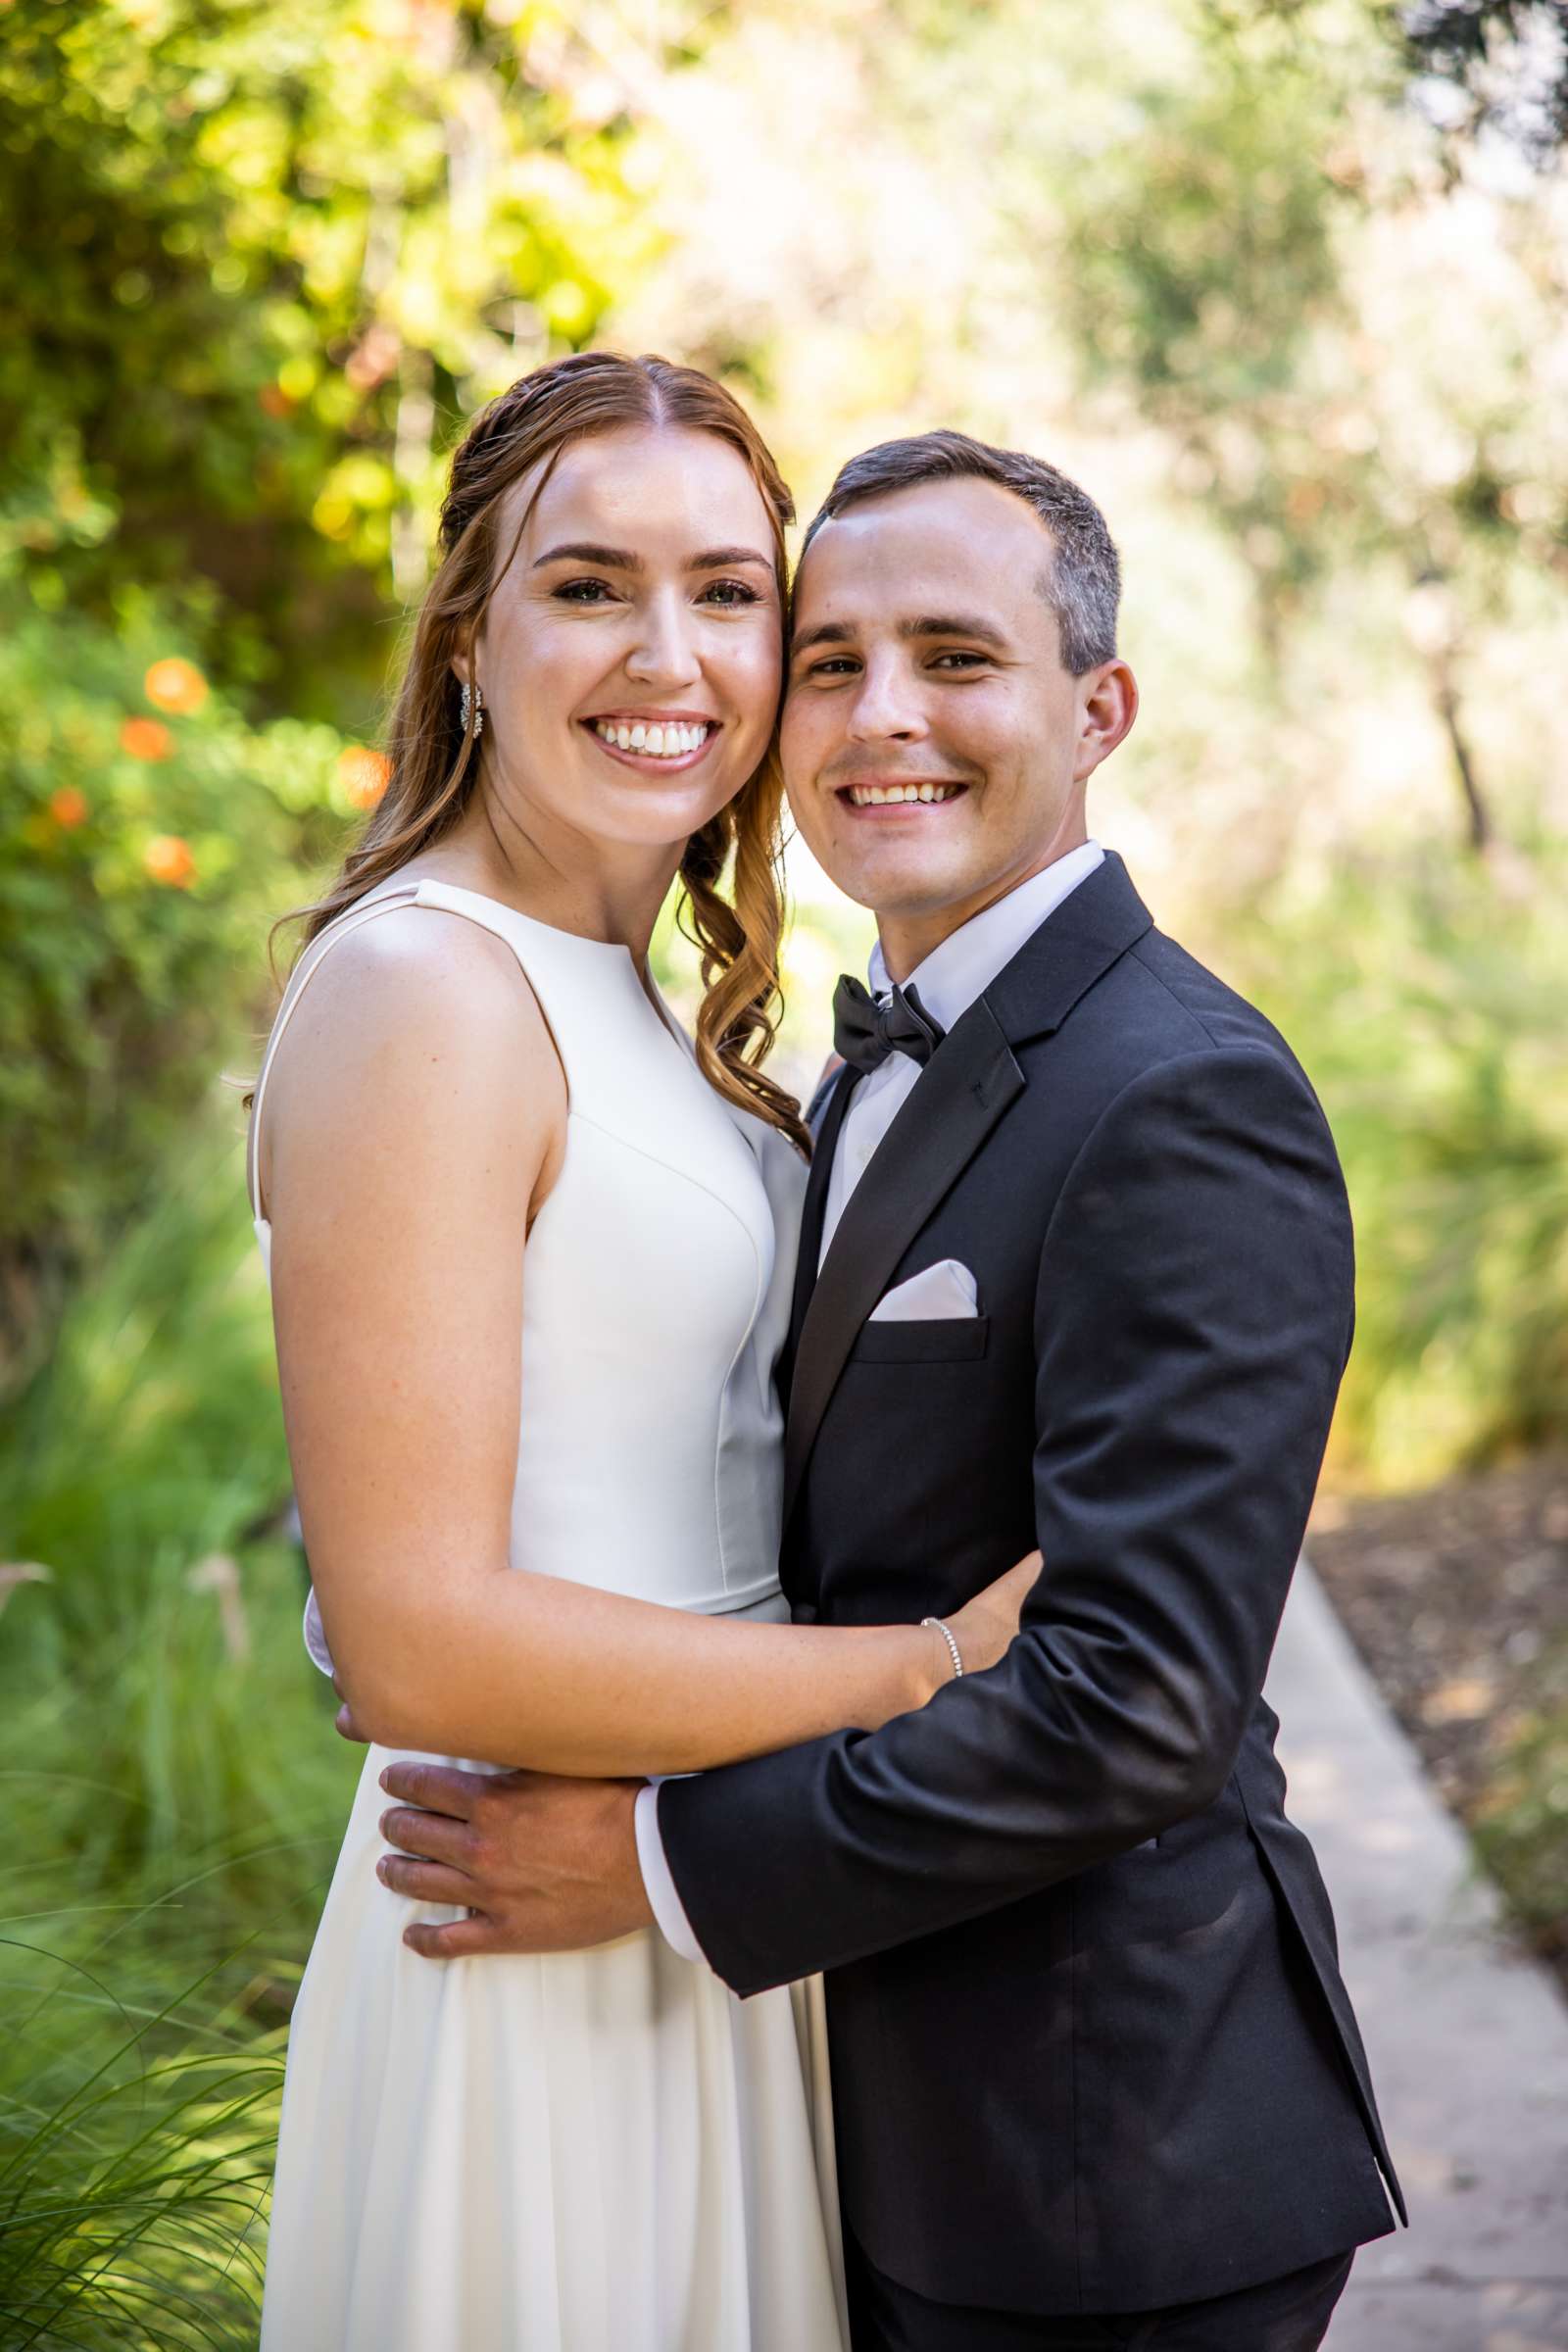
1468	2041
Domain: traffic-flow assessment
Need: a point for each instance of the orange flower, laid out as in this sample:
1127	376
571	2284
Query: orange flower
68	806
167	859
364	775
145	739
175	685
275	402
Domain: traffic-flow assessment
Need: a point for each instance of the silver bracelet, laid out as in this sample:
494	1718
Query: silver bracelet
946	1631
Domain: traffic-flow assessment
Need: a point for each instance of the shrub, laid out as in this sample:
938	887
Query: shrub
1428	1010
148	835
175	1785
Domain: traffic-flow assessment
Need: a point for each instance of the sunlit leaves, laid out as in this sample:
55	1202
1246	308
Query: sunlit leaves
215	210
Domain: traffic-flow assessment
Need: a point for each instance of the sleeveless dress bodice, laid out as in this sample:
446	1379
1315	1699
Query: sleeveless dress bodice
610	2151
659	1271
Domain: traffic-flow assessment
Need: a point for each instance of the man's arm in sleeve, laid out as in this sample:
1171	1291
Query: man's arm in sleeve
1193	1319
659	1885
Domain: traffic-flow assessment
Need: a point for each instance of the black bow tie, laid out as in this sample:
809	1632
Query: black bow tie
866	1032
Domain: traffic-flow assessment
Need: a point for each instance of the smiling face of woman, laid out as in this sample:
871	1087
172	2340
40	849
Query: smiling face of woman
631	653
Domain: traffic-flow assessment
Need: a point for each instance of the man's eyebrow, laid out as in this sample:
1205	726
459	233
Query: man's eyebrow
953	624
587	551
921	624
826	632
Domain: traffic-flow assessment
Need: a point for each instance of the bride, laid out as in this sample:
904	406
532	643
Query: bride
531	1252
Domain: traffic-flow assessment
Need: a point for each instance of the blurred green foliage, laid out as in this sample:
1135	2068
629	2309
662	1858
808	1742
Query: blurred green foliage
267	255
1522	1829
145	1454
1429	1011
177	1790
148	836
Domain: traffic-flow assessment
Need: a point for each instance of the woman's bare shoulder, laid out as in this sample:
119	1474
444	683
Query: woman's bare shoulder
413	976
417	1022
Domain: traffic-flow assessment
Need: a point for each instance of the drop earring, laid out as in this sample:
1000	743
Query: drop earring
474	700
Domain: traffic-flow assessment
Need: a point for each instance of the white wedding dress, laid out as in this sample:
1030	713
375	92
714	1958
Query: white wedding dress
599	2151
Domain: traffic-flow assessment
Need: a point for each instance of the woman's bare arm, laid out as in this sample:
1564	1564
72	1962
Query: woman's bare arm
414	1119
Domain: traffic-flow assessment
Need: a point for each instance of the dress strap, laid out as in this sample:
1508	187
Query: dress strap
339	928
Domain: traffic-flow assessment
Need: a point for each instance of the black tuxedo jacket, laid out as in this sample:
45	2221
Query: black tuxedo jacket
1091	2048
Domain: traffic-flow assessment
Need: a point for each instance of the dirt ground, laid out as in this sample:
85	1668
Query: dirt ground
1458	1600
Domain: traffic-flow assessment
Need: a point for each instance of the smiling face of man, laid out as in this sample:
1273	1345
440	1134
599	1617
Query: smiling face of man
936	746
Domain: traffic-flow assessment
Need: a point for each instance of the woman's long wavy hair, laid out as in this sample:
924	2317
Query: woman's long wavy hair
434	768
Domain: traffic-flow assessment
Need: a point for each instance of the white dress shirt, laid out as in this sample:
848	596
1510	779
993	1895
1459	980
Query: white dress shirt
949	981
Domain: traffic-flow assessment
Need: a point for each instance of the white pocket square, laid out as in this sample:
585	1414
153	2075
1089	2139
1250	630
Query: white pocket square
935	1293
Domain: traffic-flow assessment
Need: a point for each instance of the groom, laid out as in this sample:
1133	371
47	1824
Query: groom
1097	2081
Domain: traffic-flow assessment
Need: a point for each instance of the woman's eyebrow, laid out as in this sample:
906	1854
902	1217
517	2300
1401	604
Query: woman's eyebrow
625	558
720	559
584	550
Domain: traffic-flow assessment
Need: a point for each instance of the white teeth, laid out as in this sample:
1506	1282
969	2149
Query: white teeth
877	796
669	740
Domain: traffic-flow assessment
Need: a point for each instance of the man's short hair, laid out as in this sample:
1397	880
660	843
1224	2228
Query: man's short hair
1081	579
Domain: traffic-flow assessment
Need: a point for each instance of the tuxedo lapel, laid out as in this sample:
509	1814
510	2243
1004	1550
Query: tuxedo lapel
962	1092
825	1120
1061	961
960	1095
